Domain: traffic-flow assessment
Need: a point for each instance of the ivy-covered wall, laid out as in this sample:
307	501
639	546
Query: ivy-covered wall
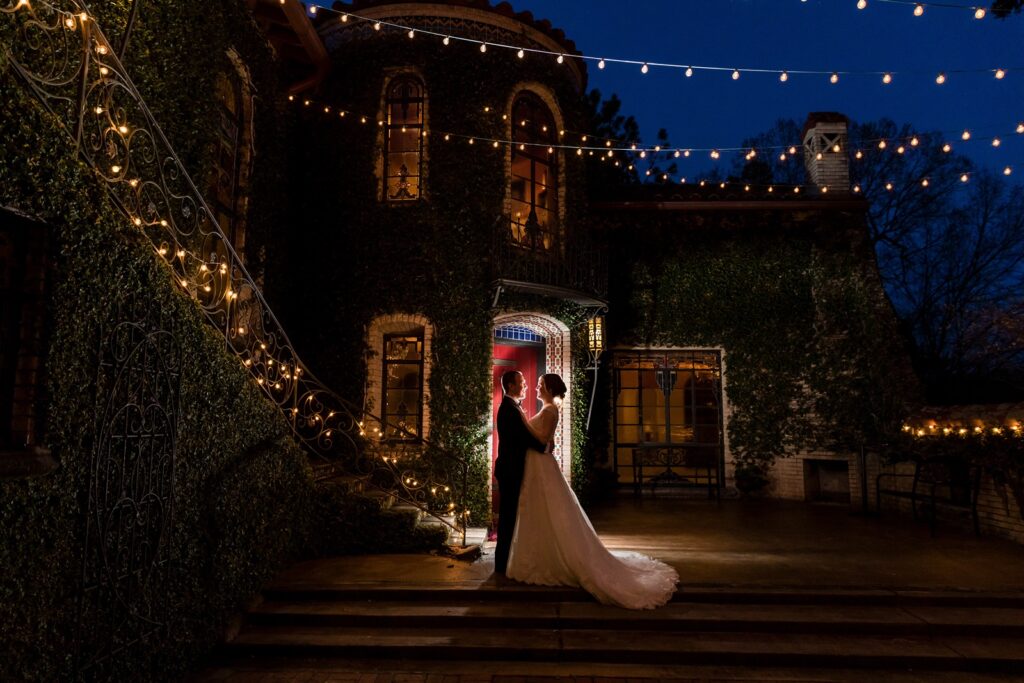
812	356
351	257
243	489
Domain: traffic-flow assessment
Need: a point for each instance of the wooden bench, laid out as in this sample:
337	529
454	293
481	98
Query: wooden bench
937	483
699	462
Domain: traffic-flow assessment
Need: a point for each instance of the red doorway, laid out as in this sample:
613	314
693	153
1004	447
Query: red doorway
527	358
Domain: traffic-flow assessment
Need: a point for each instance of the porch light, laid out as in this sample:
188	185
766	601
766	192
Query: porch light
595	335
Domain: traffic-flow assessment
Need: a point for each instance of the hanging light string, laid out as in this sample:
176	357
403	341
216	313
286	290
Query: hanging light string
611	146
688	69
979	11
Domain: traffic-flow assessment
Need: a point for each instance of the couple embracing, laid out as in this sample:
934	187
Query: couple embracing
544	537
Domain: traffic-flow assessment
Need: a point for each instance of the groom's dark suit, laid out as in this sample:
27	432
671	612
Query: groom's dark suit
513	441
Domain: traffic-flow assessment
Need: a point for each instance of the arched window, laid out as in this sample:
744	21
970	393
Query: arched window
403	141
228	159
534	174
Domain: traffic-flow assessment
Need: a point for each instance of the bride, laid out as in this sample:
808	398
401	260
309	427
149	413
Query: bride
554	543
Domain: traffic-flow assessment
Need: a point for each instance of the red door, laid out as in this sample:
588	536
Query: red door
529	361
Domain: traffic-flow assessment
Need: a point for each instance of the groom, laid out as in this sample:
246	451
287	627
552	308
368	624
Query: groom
514	439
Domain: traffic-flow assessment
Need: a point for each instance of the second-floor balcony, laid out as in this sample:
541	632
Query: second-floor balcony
531	259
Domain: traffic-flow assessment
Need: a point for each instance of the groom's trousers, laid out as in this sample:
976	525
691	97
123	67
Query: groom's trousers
509	484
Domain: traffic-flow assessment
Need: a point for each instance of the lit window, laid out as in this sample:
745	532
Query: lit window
403	386
533	182
403	144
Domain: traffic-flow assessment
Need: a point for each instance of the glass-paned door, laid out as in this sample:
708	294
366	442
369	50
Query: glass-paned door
403	390
667	398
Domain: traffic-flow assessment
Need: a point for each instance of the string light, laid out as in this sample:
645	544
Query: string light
941	78
784	76
918	9
887	78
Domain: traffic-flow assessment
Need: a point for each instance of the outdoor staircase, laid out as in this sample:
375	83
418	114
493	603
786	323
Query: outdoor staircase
494	628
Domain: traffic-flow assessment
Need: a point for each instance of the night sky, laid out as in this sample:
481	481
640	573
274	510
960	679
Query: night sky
712	110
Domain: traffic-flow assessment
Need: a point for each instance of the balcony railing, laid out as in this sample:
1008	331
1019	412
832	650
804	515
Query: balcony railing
570	267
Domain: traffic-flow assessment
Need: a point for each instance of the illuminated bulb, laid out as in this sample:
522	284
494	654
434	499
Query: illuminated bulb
1020	127
881	144
964	178
819	156
70	22
101	49
924	183
689	71
551	150
940	79
792	150
312	10
887	78
412	33
376	26
99	110
722	185
735	74
686	153
676	155
561	58
446	40
861	4
115	169
471	141
291	98
947	148
715	154
483	47
996	142
184	283
888	186
771	188
1000	74
344	18
966	135
521	53
782	157
180	253
137	221
824	190
914	142
133	182
836	148
746	188
447	137
856	189
796	190
643	154
979	13
1007	171
859	154
644	68
104	71
784	76
495	144
600	64
834	78
918	9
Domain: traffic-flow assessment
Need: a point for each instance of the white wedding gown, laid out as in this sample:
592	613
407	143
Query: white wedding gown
554	544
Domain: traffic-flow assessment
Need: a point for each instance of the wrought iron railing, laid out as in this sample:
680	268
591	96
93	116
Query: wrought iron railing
58	51
573	262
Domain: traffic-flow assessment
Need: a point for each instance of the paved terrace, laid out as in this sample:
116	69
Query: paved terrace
760	547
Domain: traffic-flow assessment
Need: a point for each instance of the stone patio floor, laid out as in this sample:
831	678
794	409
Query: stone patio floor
760	545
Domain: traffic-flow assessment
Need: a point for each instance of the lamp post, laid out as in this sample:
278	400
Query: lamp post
595	347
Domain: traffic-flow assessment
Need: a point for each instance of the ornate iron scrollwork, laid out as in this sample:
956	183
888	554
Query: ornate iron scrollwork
130	499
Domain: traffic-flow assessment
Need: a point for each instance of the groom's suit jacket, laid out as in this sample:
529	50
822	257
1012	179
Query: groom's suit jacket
514	439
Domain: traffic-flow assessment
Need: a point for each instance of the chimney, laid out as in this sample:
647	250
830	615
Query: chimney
827	169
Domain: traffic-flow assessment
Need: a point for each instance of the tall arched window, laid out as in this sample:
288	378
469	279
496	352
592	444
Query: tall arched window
534	174
403	142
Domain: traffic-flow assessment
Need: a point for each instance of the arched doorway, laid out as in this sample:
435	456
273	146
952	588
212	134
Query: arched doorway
534	344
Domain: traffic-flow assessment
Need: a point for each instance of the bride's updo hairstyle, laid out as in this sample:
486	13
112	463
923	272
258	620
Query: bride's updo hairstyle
555	386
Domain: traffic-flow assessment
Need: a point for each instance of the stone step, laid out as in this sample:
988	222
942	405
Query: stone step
946	653
678	616
456	593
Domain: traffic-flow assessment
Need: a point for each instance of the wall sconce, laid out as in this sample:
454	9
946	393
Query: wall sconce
595	345
595	337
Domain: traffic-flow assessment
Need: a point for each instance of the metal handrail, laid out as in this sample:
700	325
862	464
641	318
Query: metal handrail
65	59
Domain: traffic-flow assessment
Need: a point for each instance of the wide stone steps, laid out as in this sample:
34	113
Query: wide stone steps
861	629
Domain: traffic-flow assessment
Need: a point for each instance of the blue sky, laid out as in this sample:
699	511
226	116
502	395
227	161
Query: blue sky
712	110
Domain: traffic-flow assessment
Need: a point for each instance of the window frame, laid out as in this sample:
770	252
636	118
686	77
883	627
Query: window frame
535	137
389	126
420	335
